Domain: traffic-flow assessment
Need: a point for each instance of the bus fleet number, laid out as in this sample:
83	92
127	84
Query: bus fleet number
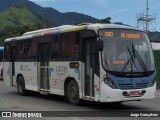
61	69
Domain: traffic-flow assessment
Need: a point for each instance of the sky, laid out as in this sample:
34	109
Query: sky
124	11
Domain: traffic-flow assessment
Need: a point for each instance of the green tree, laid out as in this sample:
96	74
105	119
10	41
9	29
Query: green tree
14	31
105	20
80	22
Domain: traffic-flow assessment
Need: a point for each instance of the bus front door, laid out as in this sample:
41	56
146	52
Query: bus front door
43	55
12	64
9	67
88	52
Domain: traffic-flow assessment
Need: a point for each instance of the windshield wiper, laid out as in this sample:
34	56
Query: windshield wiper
134	54
130	60
139	59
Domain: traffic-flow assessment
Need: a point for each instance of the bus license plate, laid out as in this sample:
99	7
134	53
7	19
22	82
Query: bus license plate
134	93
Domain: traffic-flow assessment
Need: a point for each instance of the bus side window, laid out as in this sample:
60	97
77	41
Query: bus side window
20	50
6	52
63	46
54	47
32	48
69	46
76	46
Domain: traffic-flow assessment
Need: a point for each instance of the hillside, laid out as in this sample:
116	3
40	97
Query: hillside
18	16
53	16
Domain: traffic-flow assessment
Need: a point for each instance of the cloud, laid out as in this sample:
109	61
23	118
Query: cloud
118	11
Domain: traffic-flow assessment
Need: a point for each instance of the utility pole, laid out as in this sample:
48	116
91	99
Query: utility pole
147	20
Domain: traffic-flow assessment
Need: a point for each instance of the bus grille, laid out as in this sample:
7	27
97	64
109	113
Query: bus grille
131	86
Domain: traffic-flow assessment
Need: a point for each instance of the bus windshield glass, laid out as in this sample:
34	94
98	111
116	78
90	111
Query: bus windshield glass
126	51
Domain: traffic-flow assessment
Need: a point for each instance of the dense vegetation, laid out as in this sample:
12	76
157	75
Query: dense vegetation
157	62
18	16
18	20
10	31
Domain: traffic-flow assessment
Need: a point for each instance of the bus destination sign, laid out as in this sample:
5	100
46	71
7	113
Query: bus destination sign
122	35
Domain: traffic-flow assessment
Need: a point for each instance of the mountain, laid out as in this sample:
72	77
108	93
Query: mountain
52	15
18	16
6	4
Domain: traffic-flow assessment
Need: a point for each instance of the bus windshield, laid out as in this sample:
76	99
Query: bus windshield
126	51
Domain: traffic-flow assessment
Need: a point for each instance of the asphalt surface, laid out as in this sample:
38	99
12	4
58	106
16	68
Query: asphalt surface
10	100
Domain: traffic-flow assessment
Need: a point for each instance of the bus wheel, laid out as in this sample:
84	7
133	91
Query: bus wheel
73	93
21	86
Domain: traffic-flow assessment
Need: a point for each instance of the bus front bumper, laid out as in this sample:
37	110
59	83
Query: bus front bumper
117	95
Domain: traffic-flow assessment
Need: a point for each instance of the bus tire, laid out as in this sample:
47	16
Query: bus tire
73	93
21	86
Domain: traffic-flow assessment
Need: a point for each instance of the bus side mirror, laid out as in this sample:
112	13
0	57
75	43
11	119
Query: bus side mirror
100	45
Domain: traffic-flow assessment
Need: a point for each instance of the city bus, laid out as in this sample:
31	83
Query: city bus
1	61
95	62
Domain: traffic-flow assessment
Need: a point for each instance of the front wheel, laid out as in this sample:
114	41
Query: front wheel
21	86
73	93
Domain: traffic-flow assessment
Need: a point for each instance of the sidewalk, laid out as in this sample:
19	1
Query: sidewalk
158	92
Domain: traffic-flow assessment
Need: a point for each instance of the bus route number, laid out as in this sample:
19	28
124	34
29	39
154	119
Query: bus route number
108	34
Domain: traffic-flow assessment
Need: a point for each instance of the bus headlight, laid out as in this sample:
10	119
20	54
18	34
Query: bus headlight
109	82
153	82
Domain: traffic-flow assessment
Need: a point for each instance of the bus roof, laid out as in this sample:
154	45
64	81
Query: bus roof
102	26
48	29
70	28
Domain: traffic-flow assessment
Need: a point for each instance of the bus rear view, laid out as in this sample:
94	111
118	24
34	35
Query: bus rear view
128	62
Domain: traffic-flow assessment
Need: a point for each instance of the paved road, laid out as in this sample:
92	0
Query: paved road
10	100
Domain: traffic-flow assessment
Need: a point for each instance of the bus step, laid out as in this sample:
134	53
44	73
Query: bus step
89	98
44	91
